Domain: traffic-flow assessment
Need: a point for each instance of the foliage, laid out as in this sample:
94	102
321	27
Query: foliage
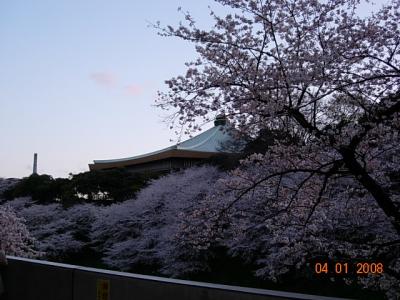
7	183
59	231
272	228
314	70
108	185
328	80
39	187
192	223
116	184
15	239
142	231
179	224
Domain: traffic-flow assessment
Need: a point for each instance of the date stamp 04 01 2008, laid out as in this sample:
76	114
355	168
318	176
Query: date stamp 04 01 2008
345	268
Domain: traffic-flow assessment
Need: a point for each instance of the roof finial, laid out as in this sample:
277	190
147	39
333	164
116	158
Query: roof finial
220	120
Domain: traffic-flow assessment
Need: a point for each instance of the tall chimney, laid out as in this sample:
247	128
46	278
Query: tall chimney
34	163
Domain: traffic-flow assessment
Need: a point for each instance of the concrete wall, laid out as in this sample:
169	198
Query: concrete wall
33	280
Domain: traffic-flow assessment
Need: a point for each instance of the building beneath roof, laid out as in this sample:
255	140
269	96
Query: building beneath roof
215	140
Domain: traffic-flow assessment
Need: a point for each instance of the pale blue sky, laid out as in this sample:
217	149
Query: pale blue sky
78	79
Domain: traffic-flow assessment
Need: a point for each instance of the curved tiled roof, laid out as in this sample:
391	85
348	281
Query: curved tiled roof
201	146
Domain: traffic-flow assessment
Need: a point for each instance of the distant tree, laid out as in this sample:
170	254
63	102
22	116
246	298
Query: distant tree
39	187
142	232
107	185
115	184
6	184
15	239
59	231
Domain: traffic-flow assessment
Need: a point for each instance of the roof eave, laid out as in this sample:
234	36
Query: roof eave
173	153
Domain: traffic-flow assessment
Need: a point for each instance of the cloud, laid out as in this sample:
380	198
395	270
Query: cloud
134	89
104	78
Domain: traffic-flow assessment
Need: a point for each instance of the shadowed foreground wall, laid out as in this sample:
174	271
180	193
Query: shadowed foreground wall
34	280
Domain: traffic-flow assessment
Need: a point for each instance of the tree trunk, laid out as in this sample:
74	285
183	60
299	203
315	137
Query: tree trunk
380	195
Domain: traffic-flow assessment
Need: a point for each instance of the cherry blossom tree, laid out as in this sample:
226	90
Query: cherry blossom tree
5	184
329	79
57	230
313	69
278	235
143	231
15	238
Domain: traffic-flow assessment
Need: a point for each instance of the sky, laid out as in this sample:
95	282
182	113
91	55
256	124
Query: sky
79	79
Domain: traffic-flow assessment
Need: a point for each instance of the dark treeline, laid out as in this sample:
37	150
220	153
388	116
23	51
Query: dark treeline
99	186
115	185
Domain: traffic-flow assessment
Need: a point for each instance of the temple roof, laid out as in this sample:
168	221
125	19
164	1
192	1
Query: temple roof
203	145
